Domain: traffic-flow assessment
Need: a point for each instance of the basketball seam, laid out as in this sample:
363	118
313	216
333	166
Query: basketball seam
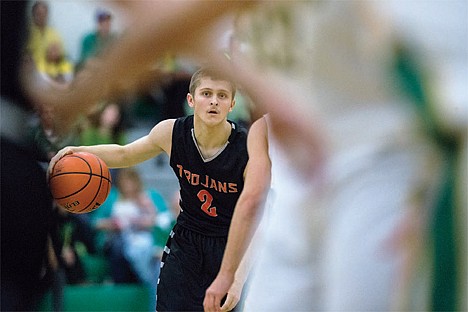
99	188
78	172
87	183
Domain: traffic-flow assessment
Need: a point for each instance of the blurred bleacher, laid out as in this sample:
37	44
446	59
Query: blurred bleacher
102	297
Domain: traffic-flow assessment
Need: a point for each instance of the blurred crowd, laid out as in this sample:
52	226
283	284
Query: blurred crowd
78	236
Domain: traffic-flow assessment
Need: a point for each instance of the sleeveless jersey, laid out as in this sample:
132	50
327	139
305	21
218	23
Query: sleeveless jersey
209	189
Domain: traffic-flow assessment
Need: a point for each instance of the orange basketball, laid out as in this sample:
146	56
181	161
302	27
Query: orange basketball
80	182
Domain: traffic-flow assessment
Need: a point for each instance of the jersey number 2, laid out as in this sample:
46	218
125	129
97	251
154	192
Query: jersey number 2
205	197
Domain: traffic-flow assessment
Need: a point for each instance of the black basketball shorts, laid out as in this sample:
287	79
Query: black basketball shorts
189	265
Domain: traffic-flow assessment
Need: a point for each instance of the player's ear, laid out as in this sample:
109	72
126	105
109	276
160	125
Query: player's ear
233	103
190	100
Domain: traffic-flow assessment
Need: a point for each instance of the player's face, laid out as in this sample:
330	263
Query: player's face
212	100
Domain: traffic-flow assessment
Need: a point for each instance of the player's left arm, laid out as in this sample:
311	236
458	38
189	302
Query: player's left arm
233	273
120	156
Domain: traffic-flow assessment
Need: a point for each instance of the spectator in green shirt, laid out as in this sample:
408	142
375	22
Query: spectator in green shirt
95	42
106	126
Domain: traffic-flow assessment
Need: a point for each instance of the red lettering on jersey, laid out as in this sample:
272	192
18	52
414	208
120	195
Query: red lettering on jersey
222	187
180	170
206	182
187	175
214	185
232	187
195	179
206	198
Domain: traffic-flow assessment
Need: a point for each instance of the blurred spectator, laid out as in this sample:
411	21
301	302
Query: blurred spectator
76	237
95	42
55	66
127	220
45	136
41	35
106	125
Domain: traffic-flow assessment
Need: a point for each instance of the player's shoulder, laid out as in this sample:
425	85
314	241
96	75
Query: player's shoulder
260	123
259	127
164	125
184	122
162	131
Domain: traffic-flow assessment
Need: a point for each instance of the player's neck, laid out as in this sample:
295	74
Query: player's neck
212	136
211	139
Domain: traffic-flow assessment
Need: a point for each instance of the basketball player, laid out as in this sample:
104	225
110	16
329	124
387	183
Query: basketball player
377	161
208	154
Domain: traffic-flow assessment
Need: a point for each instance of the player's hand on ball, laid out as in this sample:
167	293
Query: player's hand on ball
64	151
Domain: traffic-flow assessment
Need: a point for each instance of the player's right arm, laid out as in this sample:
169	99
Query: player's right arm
119	156
236	262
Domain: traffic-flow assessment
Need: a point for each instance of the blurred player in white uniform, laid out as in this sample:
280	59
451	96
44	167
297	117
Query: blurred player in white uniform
283	258
329	239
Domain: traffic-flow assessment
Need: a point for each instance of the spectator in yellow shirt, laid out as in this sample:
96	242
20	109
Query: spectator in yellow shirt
41	35
55	66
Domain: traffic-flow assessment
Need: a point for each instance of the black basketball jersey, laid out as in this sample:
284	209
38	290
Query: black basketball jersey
209	189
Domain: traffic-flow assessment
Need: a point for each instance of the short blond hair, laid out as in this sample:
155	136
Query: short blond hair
205	72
